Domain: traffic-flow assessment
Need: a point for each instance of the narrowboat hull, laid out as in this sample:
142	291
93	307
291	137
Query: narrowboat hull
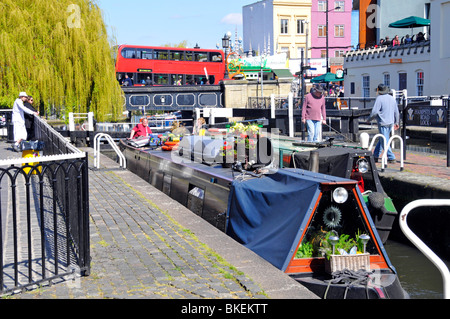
385	286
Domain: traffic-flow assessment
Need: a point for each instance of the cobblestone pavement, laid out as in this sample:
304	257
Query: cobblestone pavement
139	252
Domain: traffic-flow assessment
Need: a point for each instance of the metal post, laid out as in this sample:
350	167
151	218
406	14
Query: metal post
404	127
71	122
448	130
326	26
272	106
291	115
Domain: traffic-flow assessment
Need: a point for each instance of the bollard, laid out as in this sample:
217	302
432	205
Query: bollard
364	138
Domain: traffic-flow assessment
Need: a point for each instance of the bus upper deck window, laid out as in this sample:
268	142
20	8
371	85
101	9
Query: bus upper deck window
177	55
201	57
216	57
145	54
161	54
189	56
129	53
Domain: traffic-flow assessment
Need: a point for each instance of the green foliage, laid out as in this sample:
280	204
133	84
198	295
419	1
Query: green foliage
57	51
319	246
305	250
182	44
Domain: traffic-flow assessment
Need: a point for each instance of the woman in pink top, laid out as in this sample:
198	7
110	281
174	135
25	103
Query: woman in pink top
313	113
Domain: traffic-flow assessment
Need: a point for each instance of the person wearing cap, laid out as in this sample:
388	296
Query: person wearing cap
314	113
385	110
18	120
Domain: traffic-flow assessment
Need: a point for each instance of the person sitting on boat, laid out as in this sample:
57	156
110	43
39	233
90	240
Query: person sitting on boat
141	130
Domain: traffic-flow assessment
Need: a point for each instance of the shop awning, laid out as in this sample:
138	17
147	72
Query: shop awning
283	73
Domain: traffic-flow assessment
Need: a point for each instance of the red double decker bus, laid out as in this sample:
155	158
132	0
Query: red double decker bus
146	65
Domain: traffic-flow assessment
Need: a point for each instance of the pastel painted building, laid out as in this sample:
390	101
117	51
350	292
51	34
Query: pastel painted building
272	27
339	26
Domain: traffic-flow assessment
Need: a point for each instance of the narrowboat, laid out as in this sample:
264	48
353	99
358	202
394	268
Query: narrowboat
315	227
348	161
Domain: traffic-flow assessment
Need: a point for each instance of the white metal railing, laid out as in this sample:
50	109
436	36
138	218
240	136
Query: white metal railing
386	145
383	163
89	116
391	140
41	159
420	244
97	138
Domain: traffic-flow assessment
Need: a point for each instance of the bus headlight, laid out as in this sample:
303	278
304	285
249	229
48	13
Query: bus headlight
363	165
340	195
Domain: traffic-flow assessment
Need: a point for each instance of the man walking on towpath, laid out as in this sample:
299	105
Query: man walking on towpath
385	110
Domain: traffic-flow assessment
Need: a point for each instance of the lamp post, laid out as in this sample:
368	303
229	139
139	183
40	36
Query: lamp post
326	26
226	45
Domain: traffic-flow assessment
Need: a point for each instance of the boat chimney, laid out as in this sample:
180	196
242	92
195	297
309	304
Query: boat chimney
314	161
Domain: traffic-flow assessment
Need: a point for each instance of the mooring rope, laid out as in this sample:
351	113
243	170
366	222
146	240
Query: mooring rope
350	278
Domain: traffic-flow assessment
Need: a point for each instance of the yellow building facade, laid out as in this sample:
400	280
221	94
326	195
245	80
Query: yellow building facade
273	27
291	26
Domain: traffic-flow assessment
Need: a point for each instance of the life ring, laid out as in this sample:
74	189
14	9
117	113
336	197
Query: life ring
332	217
171	143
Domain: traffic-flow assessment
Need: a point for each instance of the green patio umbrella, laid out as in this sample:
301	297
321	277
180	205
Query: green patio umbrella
324	78
410	22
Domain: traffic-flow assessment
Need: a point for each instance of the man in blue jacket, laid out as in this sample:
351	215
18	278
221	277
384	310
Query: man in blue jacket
386	112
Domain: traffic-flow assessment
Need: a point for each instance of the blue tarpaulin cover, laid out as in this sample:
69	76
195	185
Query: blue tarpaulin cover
266	214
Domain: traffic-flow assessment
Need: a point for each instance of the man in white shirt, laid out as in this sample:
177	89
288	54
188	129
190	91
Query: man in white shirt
20	131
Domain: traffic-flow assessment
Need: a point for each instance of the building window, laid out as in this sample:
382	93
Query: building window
339	53
300	26
340	4
322	5
323	54
387	79
339	31
284	26
322	30
402	81
419	83
366	86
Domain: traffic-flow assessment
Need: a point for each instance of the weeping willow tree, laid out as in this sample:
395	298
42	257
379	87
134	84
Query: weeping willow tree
58	51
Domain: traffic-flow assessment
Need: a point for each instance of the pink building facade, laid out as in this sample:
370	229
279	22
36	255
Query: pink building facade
339	28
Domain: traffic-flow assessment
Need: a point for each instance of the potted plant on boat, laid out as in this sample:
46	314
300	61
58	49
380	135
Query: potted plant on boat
339	251
228	154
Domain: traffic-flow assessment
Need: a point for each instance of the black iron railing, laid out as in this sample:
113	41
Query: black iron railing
44	215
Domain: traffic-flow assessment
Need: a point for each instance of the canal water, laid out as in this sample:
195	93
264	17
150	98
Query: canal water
417	274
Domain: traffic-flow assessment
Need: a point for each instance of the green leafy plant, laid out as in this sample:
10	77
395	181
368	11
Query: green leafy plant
305	250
